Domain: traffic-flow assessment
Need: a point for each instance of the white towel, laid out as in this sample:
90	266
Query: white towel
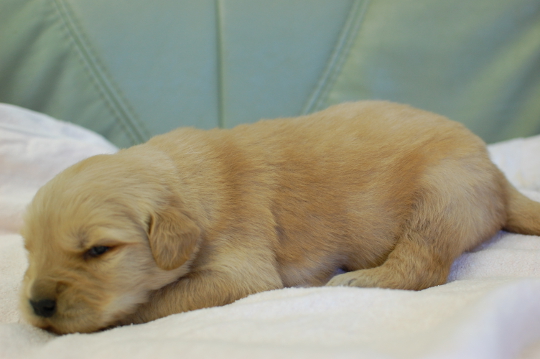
489	309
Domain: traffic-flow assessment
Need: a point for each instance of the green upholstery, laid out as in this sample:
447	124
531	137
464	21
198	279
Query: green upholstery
130	69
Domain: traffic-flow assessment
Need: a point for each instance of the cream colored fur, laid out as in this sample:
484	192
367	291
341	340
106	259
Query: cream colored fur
385	192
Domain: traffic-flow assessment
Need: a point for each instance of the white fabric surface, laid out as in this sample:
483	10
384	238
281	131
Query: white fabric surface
489	309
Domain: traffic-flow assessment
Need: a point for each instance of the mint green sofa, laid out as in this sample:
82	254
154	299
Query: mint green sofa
130	69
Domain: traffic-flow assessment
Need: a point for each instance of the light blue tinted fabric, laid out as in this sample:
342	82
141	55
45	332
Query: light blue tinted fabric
130	69
161	54
273	53
477	62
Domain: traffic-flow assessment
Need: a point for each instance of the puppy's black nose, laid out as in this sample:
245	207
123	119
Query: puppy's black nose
44	308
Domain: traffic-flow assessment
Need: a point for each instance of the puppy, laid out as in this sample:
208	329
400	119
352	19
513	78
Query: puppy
389	194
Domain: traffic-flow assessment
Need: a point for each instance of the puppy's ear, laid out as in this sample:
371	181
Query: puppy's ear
173	237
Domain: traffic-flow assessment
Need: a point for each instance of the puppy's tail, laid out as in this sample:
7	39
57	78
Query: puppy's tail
523	214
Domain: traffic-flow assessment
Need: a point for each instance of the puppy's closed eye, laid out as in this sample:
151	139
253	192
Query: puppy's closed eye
96	251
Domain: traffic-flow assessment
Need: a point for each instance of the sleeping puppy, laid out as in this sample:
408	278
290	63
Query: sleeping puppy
386	193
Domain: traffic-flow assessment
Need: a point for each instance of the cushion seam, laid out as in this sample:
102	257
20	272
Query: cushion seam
103	81
348	34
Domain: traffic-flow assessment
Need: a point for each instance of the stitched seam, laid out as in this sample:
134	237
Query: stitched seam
87	67
104	83
337	59
219	64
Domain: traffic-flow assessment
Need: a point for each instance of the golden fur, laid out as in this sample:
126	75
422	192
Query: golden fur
385	192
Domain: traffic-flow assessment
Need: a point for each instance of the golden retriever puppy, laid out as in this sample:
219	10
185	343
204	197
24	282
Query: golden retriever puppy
389	194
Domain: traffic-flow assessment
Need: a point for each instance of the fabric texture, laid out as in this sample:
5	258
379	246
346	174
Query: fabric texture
489	309
133	69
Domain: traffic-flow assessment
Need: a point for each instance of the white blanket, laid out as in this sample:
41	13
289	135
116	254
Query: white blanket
489	309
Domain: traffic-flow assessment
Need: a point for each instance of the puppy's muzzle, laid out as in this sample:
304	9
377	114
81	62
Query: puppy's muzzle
43	297
44	308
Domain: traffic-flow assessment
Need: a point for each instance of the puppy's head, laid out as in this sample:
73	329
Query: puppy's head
100	237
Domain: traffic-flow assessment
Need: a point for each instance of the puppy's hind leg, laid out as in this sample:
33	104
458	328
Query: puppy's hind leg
457	207
411	265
